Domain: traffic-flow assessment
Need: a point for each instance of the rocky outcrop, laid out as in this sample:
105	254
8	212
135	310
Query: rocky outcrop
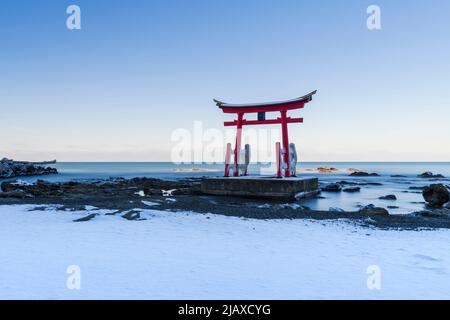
352	189
371	210
10	168
430	175
106	188
388	197
19	194
332	187
437	213
436	195
363	174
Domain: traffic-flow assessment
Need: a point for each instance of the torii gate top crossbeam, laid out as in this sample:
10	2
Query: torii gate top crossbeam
267	106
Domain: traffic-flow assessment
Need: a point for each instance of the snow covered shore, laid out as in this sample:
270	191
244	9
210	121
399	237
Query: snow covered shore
196	256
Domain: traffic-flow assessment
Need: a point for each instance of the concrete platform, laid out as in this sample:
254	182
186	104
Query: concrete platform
262	187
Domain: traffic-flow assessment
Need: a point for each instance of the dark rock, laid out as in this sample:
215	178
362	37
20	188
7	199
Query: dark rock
132	215
388	197
436	195
430	175
39	208
10	168
352	189
5	169
15	194
332	187
371	210
102	188
335	209
363	174
392	207
437	213
86	218
113	213
8	186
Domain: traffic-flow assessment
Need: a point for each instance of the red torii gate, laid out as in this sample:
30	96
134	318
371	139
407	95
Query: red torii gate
261	109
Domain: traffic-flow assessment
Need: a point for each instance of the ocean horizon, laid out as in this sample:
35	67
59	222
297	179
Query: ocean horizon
169	170
95	170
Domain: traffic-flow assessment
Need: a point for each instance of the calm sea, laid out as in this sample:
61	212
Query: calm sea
94	170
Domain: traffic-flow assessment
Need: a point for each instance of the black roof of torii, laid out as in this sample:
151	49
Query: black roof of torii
305	98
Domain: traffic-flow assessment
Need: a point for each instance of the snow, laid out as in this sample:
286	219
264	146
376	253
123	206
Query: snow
21	183
196	256
168	193
140	193
150	203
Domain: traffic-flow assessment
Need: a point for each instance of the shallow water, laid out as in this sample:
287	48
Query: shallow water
408	200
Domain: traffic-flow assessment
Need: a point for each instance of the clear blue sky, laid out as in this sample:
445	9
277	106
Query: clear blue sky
138	70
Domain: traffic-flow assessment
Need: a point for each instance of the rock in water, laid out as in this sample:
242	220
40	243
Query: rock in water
388	197
332	187
436	195
363	174
352	189
430	175
371	210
